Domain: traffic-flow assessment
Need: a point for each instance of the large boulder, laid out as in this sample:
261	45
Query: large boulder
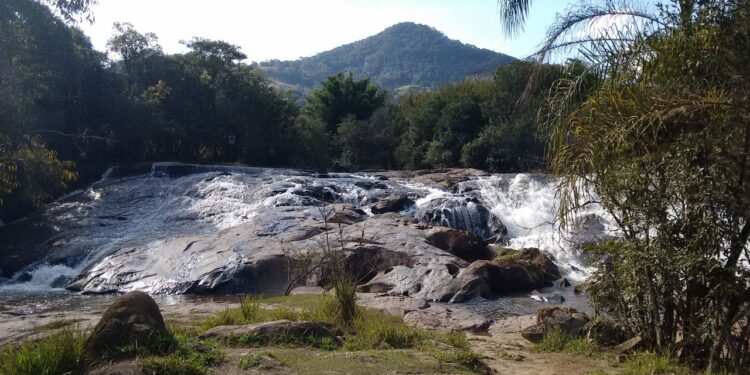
133	317
537	267
271	331
484	278
465	286
345	214
512	324
393	203
564	319
465	245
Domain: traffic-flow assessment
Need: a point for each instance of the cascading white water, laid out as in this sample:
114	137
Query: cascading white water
527	206
148	211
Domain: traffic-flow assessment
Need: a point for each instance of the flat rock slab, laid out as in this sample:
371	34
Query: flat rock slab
393	305
512	324
272	330
447	319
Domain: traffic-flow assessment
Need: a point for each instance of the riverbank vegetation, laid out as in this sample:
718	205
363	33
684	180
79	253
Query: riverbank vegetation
374	342
662	139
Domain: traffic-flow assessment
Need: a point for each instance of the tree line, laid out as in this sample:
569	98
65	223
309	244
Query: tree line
69	111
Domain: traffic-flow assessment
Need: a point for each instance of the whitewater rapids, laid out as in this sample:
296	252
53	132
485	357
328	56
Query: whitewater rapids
141	231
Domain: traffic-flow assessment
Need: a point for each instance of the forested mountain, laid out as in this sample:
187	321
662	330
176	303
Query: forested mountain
68	111
402	56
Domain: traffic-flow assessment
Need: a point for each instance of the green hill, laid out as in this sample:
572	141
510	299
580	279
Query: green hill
405	54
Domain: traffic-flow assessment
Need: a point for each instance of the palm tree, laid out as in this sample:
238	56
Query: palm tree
656	123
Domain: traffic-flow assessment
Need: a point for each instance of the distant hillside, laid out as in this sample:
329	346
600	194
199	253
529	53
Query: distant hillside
404	57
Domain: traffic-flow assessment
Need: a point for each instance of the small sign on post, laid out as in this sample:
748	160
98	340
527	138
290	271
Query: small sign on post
231	139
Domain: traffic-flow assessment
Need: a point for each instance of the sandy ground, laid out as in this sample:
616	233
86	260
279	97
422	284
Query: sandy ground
506	352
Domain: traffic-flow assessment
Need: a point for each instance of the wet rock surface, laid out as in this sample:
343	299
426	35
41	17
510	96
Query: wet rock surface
177	228
393	203
465	245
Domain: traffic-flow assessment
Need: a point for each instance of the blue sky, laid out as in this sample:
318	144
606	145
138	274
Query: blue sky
289	29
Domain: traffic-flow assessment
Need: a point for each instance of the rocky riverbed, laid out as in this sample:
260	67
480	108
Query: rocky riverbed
173	228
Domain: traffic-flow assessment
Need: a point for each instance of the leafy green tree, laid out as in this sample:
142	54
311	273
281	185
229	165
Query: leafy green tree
49	77
367	144
130	44
71	10
342	96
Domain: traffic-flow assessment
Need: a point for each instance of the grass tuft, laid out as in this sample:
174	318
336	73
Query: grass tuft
250	361
59	353
370	330
173	365
556	341
653	364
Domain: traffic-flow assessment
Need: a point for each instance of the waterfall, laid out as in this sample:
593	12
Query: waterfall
143	213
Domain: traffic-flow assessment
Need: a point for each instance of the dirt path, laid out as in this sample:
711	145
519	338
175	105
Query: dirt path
506	352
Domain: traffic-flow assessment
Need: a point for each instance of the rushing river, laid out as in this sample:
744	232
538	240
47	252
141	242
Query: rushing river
124	219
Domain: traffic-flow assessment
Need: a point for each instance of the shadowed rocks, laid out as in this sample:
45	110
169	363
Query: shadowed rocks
465	245
393	203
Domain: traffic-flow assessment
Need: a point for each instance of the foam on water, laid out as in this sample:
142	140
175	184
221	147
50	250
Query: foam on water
44	277
528	206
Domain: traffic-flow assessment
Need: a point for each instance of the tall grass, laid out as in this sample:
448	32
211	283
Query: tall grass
652	364
556	341
59	353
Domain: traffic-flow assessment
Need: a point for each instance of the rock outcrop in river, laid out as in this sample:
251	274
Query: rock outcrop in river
177	228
